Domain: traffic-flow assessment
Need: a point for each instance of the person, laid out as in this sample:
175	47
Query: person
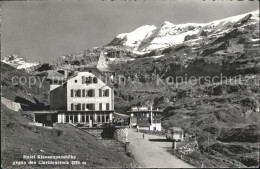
143	135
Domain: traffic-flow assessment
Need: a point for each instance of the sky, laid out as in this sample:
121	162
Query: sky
44	30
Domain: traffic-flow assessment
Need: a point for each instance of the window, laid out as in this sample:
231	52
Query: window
79	93
107	106
76	93
90	106
100	92
67	119
83	92
78	106
100	106
91	93
83	119
88	80
95	80
75	118
76	81
72	106
107	118
98	118
103	118
83	106
71	118
107	93
71	93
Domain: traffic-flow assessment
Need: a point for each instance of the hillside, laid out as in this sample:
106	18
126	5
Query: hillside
60	140
32	93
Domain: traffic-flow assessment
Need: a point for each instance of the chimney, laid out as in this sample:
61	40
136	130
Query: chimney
66	74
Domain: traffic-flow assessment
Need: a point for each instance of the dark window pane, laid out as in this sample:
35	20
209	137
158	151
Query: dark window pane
75	119
107	106
83	92
71	93
100	106
67	119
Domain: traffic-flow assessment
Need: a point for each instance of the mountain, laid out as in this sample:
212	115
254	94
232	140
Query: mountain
147	38
19	62
218	112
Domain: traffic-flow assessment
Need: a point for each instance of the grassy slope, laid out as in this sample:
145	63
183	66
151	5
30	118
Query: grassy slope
18	138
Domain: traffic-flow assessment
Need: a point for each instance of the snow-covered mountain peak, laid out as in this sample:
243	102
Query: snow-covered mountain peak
149	37
134	38
18	62
167	24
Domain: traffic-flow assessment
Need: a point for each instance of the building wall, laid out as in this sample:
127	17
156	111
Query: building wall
58	97
75	83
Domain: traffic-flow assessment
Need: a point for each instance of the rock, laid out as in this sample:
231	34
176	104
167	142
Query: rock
11	105
189	37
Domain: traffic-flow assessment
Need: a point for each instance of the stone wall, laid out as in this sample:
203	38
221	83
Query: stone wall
121	134
114	138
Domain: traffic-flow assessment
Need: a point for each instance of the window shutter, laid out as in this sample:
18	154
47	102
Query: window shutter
93	106
79	93
71	93
83	92
107	106
93	92
83	106
100	92
72	106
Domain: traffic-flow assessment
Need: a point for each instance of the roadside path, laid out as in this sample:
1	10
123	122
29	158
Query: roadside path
151	152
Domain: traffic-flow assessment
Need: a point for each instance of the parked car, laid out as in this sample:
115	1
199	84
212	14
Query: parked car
175	134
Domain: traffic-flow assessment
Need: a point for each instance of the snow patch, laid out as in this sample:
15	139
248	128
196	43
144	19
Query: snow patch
254	40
